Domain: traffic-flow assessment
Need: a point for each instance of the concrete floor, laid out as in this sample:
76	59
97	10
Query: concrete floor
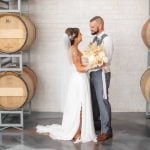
131	132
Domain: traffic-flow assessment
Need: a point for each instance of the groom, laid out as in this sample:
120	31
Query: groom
101	105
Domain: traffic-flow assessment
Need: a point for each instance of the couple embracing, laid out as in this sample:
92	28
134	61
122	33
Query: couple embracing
87	108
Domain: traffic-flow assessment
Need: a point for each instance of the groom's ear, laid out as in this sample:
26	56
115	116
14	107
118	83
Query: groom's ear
101	27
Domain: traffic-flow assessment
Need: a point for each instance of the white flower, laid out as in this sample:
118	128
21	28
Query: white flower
105	59
71	37
91	59
101	54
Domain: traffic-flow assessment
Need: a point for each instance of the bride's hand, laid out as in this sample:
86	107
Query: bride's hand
87	68
93	67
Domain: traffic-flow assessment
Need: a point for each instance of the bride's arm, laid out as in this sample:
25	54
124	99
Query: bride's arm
77	62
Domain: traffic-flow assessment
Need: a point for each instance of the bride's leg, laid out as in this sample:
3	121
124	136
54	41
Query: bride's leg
78	133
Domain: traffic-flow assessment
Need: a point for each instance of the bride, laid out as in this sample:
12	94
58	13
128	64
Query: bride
77	122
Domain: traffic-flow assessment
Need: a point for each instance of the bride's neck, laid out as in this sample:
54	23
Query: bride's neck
75	46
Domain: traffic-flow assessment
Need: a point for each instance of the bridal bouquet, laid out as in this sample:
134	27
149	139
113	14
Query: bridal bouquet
94	56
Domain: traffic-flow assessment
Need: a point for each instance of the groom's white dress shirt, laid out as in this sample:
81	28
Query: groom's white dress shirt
108	46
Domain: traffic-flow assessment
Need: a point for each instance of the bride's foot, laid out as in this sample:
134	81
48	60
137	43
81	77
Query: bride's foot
77	138
77	141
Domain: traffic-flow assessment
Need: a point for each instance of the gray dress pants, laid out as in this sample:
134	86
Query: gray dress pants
101	107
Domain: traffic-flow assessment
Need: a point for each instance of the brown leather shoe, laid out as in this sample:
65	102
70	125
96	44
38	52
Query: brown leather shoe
104	137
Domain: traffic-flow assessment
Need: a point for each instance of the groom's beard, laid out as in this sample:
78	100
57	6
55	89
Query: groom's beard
95	32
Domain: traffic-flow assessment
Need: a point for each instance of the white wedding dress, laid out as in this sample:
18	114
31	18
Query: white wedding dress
78	97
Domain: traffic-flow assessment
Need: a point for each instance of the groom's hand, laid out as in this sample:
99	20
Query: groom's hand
103	66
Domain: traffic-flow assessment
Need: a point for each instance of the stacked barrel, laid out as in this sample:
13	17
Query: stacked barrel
17	33
145	79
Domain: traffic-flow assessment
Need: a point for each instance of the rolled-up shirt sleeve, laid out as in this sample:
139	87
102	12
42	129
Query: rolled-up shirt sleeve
109	48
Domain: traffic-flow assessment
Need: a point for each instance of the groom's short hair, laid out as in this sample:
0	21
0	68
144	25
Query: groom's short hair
98	19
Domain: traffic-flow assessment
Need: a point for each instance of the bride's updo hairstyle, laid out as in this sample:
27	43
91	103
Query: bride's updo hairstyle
72	34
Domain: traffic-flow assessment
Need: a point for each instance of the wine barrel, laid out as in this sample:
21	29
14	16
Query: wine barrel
16	33
146	33
17	89
30	79
145	84
13	91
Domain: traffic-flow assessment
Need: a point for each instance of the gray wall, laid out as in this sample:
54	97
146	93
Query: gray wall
123	22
